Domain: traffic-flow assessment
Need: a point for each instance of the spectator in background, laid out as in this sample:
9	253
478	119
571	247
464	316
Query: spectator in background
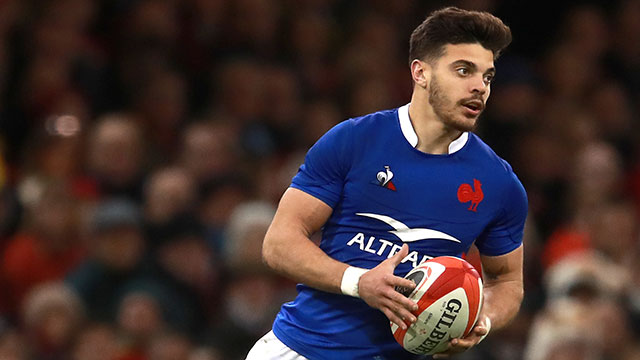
218	199
586	32
596	181
140	318
566	331
169	191
543	162
614	231
585	289
55	151
13	346
597	177
253	27
559	334
63	72
52	315
161	104
188	271
239	95
585	277
313	39
204	353
241	99
613	111
46	247
371	67
275	173
116	257
283	94
250	304
568	75
253	292
146	43
247	225
117	156
169	346
96	341
209	151
320	116
624	62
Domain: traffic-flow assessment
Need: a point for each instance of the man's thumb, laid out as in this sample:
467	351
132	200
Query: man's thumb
397	258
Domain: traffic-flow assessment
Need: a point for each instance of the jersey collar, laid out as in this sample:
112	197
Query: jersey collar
411	136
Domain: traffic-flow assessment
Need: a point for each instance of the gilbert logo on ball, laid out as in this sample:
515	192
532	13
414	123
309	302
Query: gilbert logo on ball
449	296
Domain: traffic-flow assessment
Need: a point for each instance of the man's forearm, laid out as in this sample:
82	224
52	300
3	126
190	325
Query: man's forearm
303	261
287	247
502	301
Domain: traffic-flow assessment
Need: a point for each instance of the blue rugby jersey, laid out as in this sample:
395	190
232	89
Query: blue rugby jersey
384	193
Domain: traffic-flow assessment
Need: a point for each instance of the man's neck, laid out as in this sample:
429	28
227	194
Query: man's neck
434	137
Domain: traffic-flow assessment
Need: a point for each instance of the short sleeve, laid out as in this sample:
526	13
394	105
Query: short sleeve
326	165
505	233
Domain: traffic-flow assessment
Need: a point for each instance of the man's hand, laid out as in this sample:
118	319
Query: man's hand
377	288
458	345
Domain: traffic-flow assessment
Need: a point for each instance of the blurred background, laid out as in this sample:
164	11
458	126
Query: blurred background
144	146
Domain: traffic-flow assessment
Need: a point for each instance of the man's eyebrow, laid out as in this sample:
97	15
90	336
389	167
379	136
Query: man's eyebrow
466	63
472	66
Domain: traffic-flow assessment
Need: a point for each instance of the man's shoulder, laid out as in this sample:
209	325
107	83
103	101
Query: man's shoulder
374	120
487	154
501	175
369	126
491	161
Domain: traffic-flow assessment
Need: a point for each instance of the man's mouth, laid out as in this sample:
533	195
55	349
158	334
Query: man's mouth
474	107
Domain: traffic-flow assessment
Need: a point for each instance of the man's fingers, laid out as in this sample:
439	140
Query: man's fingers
455	346
397	258
462	344
400	311
397	281
401	299
397	312
459	345
480	330
394	318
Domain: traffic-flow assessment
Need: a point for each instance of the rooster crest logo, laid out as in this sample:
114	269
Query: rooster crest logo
475	195
384	178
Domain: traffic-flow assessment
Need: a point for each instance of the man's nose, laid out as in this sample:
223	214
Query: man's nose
478	85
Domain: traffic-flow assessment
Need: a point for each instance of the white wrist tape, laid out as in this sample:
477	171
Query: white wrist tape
350	279
488	326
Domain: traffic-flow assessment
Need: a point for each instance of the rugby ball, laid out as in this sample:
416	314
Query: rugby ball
449	296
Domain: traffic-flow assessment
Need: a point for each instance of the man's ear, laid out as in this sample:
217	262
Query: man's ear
420	73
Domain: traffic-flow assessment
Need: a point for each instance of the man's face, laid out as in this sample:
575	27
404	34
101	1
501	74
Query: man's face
460	84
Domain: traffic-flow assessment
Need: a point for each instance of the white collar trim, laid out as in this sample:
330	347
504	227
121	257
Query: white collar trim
411	136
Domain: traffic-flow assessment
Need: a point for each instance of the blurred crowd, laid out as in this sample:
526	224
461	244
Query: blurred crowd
145	144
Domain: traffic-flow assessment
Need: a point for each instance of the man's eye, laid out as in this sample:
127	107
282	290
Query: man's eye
488	78
463	71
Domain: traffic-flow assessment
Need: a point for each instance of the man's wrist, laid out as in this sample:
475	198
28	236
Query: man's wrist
350	280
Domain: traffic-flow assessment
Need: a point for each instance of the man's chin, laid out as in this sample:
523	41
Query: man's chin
464	124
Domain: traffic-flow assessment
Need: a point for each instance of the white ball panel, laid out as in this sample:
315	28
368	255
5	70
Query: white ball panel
437	324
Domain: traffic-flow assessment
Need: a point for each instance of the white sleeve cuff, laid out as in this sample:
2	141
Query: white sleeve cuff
350	279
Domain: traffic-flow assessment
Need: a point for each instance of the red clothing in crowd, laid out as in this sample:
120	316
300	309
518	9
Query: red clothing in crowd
27	263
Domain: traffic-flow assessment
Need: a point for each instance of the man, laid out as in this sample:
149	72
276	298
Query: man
392	189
